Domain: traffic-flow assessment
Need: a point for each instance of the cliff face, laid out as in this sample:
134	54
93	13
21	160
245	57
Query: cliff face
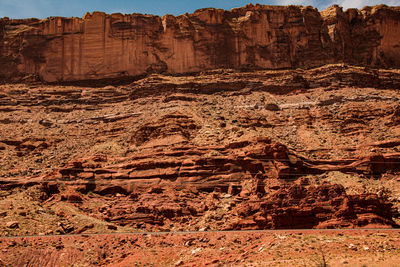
105	46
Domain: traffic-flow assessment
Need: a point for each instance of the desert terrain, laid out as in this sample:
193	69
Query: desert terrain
290	164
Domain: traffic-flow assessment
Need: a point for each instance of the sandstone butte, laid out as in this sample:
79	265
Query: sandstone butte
257	118
255	36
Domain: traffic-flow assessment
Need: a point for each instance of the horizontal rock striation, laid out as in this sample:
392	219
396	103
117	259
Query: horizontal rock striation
251	181
256	184
100	46
217	150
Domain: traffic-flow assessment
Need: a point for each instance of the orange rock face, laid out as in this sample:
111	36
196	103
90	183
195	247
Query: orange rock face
252	180
105	46
219	150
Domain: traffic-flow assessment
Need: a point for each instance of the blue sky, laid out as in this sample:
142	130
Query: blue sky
77	8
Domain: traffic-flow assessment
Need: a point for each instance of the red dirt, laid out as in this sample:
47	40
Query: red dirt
277	248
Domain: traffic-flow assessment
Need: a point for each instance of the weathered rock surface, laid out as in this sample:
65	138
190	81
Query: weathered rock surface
101	46
233	148
217	150
252	182
166	189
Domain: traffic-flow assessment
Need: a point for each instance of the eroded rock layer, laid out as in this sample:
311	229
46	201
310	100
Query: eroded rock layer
101	46
246	185
217	150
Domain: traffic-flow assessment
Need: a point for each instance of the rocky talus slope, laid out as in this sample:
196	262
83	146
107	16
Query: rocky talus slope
219	150
101	46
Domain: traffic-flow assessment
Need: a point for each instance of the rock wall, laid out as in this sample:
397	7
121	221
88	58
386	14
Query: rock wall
256	181
255	36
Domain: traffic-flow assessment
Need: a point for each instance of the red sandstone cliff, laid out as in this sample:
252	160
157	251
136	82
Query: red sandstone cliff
103	46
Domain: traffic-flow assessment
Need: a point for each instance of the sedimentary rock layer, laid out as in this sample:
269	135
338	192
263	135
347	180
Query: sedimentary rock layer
252	180
217	150
104	46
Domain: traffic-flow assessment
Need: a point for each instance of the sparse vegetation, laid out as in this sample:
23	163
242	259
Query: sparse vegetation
320	259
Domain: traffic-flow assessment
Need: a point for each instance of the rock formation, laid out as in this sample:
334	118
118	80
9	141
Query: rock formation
259	117
247	180
101	46
219	150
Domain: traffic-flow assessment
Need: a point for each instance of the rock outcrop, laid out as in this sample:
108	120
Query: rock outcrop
254	184
217	150
101	46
